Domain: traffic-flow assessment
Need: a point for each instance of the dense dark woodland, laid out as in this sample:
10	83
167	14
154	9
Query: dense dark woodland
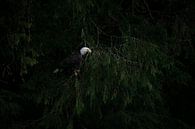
140	75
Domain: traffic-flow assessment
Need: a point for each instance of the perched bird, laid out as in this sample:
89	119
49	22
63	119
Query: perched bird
72	63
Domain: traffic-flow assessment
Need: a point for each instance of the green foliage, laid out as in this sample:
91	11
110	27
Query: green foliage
16	51
138	51
115	86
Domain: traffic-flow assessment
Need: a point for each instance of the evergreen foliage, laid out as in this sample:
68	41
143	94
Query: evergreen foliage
142	54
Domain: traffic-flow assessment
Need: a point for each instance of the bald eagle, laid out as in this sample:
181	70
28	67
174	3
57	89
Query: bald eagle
72	63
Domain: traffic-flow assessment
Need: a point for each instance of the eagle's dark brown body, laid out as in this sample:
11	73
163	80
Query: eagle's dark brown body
73	62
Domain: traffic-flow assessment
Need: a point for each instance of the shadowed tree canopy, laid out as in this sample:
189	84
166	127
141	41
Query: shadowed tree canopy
140	74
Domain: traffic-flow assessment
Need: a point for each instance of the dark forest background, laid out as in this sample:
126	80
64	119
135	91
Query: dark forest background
140	75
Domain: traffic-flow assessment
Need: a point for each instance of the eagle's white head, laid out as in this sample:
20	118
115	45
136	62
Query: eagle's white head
85	50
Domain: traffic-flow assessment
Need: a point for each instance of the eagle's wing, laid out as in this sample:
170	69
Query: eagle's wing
73	60
70	64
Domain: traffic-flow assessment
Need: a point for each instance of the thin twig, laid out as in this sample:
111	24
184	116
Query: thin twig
148	9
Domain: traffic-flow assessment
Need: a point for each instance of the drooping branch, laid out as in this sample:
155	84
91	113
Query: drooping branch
148	9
